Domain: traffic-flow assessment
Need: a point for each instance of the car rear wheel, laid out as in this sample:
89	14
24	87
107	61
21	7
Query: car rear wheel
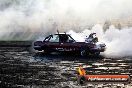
97	53
83	53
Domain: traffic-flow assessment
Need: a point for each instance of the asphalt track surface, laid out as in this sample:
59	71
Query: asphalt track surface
21	68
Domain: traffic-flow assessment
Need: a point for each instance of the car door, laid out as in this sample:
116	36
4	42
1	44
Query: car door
53	42
69	45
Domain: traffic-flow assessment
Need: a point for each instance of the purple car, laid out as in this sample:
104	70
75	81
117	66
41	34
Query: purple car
65	43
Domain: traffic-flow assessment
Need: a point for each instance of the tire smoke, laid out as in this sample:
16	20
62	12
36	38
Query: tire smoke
118	42
28	19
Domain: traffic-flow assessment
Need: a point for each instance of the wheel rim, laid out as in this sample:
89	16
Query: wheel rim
83	53
97	53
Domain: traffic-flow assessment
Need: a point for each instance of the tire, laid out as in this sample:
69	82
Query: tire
97	53
82	80
83	52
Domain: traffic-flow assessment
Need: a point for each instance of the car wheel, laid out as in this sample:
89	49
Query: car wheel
83	53
97	53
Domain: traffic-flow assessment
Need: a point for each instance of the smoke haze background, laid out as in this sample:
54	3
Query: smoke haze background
118	42
30	19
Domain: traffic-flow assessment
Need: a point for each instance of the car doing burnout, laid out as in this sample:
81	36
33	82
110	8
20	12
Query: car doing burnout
65	43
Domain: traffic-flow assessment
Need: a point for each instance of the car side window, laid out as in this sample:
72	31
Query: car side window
63	38
70	39
55	38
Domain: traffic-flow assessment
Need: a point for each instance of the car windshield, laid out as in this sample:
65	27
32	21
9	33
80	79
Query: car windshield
54	38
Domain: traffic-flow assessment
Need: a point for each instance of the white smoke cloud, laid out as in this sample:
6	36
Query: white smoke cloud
46	16
22	19
118	42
